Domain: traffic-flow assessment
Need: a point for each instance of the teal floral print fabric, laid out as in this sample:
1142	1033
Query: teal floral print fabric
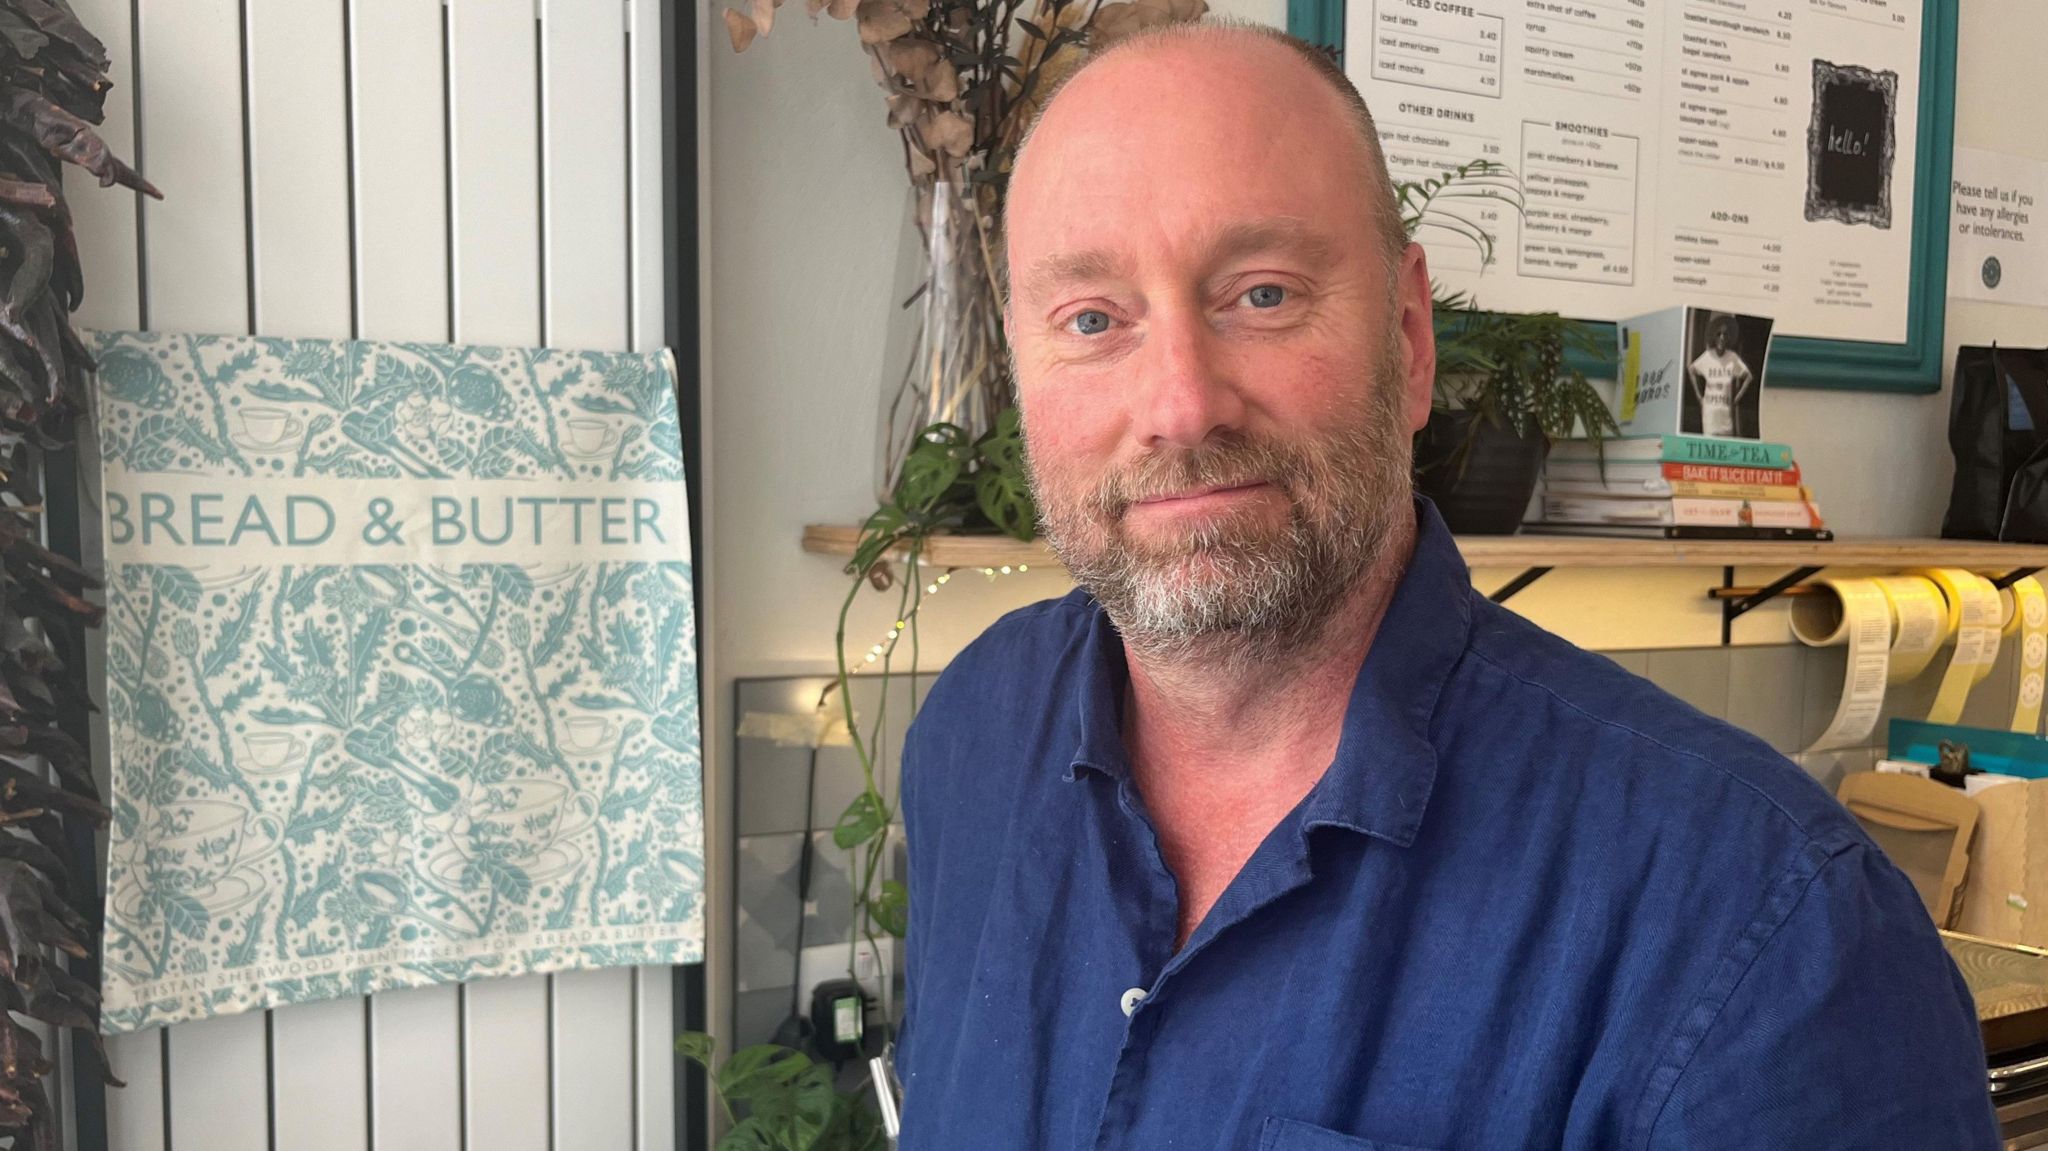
400	671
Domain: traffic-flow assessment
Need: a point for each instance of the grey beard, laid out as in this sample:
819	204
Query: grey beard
1245	602
1246	607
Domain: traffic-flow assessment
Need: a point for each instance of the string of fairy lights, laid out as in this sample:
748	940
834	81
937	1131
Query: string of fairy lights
888	644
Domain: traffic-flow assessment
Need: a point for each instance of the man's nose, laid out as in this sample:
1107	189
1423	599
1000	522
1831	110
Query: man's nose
1186	390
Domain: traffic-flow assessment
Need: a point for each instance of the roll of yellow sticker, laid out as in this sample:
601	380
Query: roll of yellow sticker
1973	619
1857	614
1919	623
2028	619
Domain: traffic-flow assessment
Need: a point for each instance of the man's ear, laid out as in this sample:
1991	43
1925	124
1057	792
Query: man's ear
1417	321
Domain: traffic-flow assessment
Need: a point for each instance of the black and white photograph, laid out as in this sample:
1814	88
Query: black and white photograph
1724	374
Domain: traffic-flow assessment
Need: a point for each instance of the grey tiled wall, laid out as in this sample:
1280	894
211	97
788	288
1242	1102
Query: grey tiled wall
1786	695
771	781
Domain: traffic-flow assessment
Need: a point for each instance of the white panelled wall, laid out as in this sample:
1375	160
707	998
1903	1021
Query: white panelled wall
483	171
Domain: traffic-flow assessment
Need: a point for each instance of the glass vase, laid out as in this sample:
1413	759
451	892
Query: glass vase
948	335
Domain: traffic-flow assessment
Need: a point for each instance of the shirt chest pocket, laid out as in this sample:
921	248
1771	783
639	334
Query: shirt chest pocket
1290	1135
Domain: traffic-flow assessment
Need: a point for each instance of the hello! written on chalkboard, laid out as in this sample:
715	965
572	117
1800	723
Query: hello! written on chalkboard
1850	144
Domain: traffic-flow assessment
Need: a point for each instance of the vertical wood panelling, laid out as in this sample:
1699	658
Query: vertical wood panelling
496	124
318	1085
593	1080
654	1094
494	117
400	183
195	252
104	220
583	58
505	1064
135	1113
299	224
487	171
644	127
218	1070
400	176
416	1069
195	256
298	154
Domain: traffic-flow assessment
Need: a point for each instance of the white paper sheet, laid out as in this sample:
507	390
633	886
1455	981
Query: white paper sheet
1670	152
1998	243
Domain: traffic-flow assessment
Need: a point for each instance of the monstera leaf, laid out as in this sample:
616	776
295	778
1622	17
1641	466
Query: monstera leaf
783	1100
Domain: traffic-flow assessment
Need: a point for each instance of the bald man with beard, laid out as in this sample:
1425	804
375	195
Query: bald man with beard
1275	834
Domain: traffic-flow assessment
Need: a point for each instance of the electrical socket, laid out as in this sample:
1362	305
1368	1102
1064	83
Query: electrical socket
827	961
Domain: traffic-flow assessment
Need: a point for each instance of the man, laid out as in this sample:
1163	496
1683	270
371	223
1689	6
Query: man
1719	380
1278	835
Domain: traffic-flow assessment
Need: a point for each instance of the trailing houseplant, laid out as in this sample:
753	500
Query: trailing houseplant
961	81
775	1096
1505	386
52	86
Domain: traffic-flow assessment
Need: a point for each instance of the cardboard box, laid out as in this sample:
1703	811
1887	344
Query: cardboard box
2005	895
1692	372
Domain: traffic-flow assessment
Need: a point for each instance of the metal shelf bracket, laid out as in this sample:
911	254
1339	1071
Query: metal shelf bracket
1508	589
1734	609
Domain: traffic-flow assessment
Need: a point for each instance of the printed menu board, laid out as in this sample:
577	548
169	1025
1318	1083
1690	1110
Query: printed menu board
1748	155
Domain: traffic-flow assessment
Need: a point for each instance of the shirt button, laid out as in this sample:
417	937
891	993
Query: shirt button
1132	998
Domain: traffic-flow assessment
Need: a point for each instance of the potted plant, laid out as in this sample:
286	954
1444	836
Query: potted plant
779	1099
1503	392
1504	388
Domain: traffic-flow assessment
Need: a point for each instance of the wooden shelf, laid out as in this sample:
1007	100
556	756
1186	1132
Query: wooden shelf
1591	551
941	551
1549	551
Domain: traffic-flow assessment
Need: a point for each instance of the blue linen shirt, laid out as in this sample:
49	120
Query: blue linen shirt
1534	902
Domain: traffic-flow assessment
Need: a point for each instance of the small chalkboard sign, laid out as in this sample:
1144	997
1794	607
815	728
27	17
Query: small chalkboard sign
1849	144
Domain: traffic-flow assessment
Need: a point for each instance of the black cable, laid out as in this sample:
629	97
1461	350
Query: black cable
803	885
796	1029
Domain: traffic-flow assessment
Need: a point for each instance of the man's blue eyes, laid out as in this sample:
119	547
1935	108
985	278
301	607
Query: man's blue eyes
1093	323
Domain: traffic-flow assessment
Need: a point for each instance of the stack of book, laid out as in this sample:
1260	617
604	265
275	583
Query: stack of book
1676	487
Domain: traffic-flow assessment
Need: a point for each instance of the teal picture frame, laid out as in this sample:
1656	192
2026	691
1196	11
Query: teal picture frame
1913	366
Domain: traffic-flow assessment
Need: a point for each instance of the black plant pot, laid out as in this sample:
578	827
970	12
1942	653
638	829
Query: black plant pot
1483	491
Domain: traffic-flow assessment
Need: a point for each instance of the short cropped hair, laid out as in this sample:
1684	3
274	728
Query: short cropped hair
1723	322
1374	183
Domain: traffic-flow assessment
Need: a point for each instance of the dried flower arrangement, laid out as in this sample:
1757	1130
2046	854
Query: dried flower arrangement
52	88
961	81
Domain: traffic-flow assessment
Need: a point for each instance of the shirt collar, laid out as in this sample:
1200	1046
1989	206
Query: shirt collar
1099	701
1385	767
